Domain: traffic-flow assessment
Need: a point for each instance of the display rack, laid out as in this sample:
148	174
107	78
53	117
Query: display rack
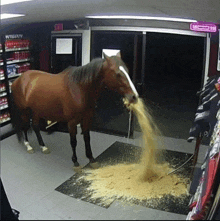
205	203
15	58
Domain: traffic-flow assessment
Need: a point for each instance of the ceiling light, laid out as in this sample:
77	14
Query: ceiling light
140	17
6	2
6	15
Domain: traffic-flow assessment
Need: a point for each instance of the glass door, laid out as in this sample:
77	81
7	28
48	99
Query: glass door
111	115
172	77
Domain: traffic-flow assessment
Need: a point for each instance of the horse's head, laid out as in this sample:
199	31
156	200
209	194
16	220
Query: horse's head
116	78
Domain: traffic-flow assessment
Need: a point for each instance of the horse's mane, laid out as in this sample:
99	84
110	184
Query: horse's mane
85	74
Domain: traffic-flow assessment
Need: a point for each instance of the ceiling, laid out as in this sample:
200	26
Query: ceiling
60	10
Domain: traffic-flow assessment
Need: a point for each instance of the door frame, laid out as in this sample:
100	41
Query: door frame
86	38
144	31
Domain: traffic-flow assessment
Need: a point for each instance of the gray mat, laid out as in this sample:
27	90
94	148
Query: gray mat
127	153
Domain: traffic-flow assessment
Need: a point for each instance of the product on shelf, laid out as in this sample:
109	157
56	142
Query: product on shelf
1	73
4	117
24	67
21	55
17	43
2	87
12	70
16	69
3	101
9	59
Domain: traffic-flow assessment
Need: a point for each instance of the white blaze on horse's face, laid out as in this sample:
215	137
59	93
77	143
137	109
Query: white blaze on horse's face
121	68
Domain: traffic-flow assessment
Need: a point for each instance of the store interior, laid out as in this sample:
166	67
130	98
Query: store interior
171	67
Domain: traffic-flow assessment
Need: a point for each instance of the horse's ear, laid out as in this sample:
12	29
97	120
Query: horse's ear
105	56
108	59
118	54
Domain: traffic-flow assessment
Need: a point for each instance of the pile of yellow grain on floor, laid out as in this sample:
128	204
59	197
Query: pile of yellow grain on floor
143	180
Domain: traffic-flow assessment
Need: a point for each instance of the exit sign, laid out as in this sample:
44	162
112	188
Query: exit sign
58	27
203	26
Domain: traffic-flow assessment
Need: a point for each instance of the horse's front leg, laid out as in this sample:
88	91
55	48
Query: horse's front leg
85	125
89	155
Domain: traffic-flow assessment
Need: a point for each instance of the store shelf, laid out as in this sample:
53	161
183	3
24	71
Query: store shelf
5	120
18	61
2	107
16	49
12	65
16	75
2	94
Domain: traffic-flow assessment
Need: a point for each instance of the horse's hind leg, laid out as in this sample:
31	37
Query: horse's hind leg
85	125
25	127
26	143
36	129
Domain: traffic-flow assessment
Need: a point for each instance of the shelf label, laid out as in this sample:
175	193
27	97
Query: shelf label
14	36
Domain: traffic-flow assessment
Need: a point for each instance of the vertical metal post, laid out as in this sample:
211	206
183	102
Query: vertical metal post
134	77
143	60
206	59
76	53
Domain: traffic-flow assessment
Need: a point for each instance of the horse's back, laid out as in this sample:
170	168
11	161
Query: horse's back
35	86
48	95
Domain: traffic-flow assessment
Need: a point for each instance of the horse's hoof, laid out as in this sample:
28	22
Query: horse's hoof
95	165
45	150
77	169
30	151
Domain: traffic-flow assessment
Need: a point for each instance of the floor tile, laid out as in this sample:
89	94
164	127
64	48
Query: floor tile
30	179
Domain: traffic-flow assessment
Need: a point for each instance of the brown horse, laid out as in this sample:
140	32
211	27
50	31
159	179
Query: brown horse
69	96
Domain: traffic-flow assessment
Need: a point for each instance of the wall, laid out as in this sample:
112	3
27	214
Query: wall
40	35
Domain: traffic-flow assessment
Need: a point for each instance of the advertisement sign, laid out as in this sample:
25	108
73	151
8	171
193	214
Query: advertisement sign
201	26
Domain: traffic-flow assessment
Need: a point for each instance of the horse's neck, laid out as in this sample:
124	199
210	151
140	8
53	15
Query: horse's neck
94	90
90	92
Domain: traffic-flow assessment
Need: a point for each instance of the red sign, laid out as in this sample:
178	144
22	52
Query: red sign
58	27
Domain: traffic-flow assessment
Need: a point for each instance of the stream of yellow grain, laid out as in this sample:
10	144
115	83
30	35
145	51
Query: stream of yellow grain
142	180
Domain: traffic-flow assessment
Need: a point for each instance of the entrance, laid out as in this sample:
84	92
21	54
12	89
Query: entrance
173	75
66	51
169	68
111	115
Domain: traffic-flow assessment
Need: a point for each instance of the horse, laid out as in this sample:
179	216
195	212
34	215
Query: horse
69	96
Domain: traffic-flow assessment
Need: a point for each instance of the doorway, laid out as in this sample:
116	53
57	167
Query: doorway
66	51
167	72
111	116
173	75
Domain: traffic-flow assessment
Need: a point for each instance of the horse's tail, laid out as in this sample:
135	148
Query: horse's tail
16	119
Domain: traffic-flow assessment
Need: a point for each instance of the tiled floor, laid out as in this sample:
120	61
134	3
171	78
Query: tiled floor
30	179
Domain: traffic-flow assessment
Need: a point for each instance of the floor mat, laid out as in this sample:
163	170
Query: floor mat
127	153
